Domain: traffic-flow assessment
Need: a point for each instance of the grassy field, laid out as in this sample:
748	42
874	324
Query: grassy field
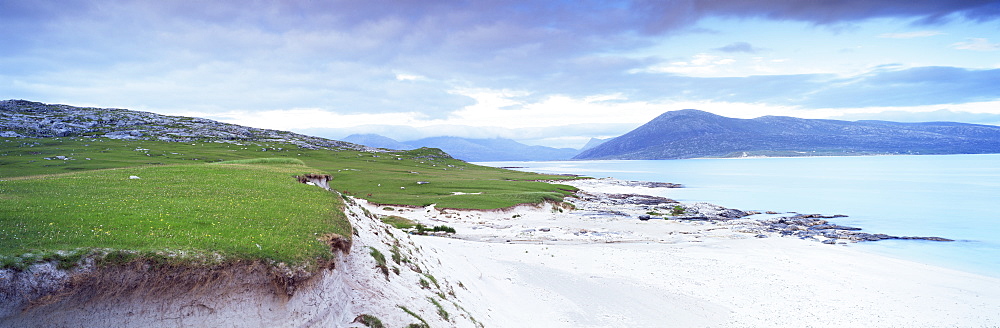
236	200
385	178
238	211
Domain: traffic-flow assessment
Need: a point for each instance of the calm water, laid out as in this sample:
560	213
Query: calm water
951	196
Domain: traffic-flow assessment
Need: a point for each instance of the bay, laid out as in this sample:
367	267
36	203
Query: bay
951	196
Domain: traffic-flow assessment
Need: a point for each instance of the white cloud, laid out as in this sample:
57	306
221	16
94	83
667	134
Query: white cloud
698	65
976	44
556	121
910	35
409	77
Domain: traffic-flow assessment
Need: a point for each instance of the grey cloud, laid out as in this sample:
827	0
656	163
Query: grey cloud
340	55
820	12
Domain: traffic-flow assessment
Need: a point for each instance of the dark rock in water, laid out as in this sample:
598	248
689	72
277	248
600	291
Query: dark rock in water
833	226
659	185
645	217
926	238
732	213
819	216
810	225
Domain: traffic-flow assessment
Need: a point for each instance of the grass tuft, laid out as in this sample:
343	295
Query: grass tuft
441	311
369	321
398	222
423	323
380	261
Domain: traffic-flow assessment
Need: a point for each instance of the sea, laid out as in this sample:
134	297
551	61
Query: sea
950	196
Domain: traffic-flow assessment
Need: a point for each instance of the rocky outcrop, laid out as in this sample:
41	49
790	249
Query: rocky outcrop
22	118
813	227
319	180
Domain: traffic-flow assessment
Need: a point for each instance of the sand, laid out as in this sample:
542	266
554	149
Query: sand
628	273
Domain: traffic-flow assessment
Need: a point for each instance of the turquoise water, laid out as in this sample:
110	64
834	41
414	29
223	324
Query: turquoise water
951	196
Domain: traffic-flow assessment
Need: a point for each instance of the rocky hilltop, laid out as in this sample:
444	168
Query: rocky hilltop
693	133
21	118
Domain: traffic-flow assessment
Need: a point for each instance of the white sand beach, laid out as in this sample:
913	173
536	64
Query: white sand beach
541	267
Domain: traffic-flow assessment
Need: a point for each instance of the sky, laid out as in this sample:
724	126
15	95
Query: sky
553	73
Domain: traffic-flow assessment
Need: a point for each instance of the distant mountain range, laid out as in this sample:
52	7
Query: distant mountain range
693	133
472	150
685	133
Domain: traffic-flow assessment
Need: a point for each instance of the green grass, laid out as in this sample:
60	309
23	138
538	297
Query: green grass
377	177
279	161
370	321
380	261
398	221
238	211
423	323
441	312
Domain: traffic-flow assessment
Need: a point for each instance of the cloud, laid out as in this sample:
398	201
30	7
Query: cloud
739	47
666	15
907	87
940	115
697	65
416	61
976	44
910	35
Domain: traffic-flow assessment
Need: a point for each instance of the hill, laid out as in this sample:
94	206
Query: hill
497	149
377	141
22	118
472	150
693	133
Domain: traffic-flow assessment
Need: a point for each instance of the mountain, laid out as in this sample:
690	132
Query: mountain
377	141
485	150
594	142
472	150
693	133
22	118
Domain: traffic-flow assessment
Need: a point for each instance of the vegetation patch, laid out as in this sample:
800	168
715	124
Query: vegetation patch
380	261
423	323
388	178
677	211
236	211
441	311
433	280
397	255
369	321
399	222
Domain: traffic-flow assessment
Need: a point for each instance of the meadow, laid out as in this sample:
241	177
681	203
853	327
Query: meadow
381	177
63	198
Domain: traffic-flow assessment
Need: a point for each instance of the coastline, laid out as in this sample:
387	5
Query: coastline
548	266
552	267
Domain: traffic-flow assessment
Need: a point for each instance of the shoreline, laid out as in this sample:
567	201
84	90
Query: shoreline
598	265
